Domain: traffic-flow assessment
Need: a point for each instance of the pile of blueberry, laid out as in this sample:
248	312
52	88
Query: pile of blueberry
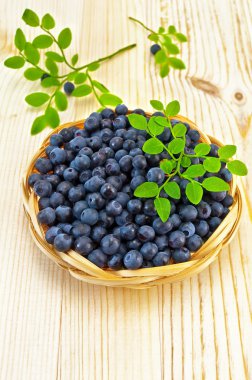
85	186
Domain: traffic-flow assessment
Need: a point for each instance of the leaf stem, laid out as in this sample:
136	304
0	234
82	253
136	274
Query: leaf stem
94	90
54	93
142	24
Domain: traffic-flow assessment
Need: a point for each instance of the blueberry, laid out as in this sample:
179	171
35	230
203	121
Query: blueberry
218	196
149	208
108	191
201	228
110	244
149	250
97	115
147	264
58	156
162	227
217	209
161	242
89	216
43	165
136	181
106	135
124	217
70	174
59	170
98	233
46	216
106	123
194	135
135	152
139	111
181	255
155	48
129	144
100	171
142	219
105	220
214	222
63	242
225	212
134	244
128	231
69	87
194	242
125	163
158	113
114	208
131	134
121	109
94	184
48	149
43	203
95	142
82	162
146	233
134	206
56	199
83	245
119	122
63	214
95	201
122	198
81	230
42	188
165	135
64	187
56	139
85	175
188	213
107	113
81	132
177	239
76	193
112	168
152	159
98	258
91	124
51	233
115	261
175	220
139	162
53	179
115	181
116	143
214	150
204	210
86	151
162	258
156	175
78	208
78	143
133	259
34	178
43	76
187	228
228	200
67	134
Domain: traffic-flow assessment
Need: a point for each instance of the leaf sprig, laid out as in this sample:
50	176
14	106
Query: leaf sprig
180	161
49	73
166	56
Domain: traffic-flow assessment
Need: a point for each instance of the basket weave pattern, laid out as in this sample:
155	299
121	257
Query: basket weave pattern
82	269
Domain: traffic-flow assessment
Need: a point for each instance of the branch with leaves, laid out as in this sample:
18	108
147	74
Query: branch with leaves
180	162
166	47
51	80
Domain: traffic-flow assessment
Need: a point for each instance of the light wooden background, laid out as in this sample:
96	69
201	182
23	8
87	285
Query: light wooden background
54	327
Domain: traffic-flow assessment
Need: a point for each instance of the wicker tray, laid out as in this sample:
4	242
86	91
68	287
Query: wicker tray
82	269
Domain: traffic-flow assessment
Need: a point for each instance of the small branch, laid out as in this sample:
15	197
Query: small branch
94	90
142	24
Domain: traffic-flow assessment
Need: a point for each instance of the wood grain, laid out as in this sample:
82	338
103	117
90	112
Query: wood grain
51	325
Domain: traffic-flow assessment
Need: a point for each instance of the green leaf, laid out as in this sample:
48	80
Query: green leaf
100	87
30	18
227	151
137	121
176	146
237	167
194	192
43	41
173	190
48	21
172	108
154	127
202	149
160	56
33	73
110	100
71	76
61	101
14	62
166	165
164	70
161	29
51	66
163	207
185	162
161	120
176	63
172	48
215	184
36	99
74	59
20	40
31	53
171	29
181	37
38	125
146	190
153	37
93	66
194	171
80	78
212	164
153	146
54	56
52	117
179	130
157	105
65	38
82	90
50	82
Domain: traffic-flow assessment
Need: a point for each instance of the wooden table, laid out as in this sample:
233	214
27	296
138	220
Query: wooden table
54	327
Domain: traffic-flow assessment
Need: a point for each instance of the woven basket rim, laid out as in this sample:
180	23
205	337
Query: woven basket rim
82	269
